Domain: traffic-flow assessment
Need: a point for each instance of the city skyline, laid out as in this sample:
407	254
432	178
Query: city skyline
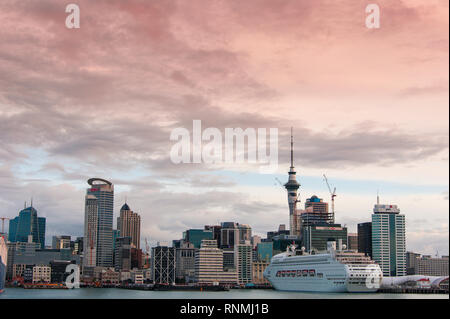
369	109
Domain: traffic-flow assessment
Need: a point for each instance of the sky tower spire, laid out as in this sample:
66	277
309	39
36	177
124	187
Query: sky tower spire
292	149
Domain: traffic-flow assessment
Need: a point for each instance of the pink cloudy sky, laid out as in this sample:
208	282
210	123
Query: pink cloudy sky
369	107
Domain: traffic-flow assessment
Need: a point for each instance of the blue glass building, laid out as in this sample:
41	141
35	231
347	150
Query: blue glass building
195	236
26	224
264	250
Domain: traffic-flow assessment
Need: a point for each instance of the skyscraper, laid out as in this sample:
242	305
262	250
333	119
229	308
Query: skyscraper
389	240
291	187
27	226
98	232
163	260
244	262
129	225
122	254
232	233
316	212
365	238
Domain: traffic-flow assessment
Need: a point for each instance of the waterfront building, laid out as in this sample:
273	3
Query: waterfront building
61	242
122	254
315	237
426	265
129	225
209	265
30	254
27	227
185	262
195	236
28	274
243	262
58	270
109	276
365	238
389	240
98	232
258	272
264	251
163	264
137	276
42	274
352	241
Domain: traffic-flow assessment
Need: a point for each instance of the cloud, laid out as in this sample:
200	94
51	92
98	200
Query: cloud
101	100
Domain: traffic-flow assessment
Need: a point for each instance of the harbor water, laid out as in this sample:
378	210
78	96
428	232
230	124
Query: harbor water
117	293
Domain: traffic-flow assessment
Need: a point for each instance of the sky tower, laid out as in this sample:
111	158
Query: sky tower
292	186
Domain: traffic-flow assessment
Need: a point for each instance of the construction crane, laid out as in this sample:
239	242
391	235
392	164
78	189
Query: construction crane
332	193
3	223
147	247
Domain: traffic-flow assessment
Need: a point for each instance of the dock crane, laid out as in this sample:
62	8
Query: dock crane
332	193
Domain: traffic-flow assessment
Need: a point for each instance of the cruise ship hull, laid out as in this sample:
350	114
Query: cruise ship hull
322	274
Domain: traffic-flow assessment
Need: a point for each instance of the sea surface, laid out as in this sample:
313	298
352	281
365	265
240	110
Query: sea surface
116	293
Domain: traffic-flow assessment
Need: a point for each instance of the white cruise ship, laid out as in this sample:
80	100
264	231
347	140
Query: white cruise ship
3	261
331	271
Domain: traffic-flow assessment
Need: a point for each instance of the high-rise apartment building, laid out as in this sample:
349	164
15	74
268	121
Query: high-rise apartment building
98	231
27	227
244	262
389	239
129	225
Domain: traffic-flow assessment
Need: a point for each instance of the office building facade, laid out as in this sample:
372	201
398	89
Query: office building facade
365	238
129	225
389	240
163	264
27	227
99	206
